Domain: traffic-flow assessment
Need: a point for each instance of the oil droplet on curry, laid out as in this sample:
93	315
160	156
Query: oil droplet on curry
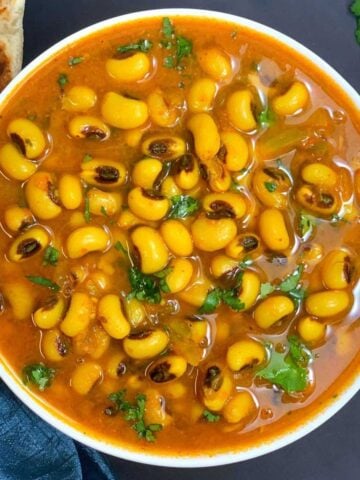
180	236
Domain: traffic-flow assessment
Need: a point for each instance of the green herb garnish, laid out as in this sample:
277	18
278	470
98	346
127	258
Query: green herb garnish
266	289
266	118
290	285
43	282
87	157
87	213
75	61
120	248
270	186
179	47
51	256
210	416
288	370
306	225
135	413
355	10
103	211
62	80
143	45
39	375
212	301
148	288
183	206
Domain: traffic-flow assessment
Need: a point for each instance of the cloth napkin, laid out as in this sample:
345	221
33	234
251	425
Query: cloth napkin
31	449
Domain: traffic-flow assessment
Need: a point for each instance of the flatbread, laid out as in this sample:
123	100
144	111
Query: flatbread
11	39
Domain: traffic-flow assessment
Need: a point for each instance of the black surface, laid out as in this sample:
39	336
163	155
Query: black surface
325	26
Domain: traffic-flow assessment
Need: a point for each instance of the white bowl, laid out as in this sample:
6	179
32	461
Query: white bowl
54	418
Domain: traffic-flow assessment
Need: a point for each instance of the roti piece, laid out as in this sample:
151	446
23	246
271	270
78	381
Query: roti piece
11	39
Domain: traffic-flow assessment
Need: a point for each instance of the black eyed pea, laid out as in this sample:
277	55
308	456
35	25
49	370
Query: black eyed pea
70	191
110	314
188	174
220	264
273	230
272	187
135	312
327	303
180	275
169	188
242	407
319	174
146	344
245	353
155	409
152	250
42	196
85	377
29	243
130	68
224	205
104	203
123	112
244	244
272	310
177	237
217	387
20	296
79	99
133	136
239	107
294	100
147	204
14	164
84	240
318	200
164	147
197	292
250	289
210	235
337	270
167	369
86	126
18	218
54	345
311	330
92	341
164	109
234	151
219	178
201	95
80	313
215	63
145	172
128	220
206	136
104	173
28	137
116	366
50	313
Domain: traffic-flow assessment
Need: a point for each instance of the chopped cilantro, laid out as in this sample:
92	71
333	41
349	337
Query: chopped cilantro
39	375
62	80
183	206
169	62
135	413
212	301
245	263
87	157
288	370
291	281
217	295
179	47
306	225
266	118
183	48
43	282
231	299
120	248
167	28
143	45
87	213
75	61
290	285
148	288
51	256
270	186
210	416
266	289
355	10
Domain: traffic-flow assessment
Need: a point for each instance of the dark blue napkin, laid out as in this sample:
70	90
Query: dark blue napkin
31	449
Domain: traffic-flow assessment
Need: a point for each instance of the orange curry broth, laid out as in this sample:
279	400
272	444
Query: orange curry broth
337	358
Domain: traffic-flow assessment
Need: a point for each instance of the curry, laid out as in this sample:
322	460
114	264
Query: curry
180	236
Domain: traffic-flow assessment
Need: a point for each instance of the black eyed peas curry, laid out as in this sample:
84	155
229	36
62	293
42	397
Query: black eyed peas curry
180	236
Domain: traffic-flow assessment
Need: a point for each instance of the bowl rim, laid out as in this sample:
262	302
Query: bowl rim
48	413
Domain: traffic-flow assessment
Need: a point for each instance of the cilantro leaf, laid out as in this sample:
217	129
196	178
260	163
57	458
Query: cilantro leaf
210	416
183	48
266	118
167	27
39	375
270	186
120	248
179	47
212	301
75	61
306	224
62	80
292	280
231	299
142	45
355	8
43	282
135	412
288	371
183	206
145	288
87	157
266	289
51	256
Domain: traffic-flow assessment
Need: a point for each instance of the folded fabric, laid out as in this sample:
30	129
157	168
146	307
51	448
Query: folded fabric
31	449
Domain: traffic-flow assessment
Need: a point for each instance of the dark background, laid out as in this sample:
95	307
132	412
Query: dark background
325	26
